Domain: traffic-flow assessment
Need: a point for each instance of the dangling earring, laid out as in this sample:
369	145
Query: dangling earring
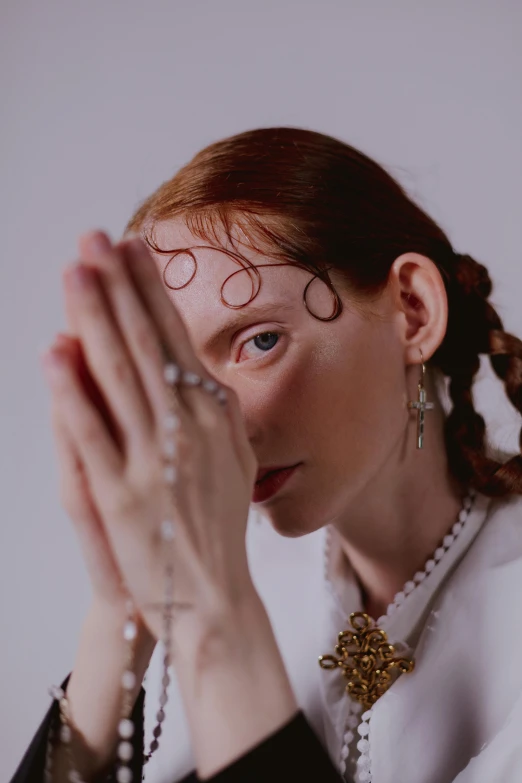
421	405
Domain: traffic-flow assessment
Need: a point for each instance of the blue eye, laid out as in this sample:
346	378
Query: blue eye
264	343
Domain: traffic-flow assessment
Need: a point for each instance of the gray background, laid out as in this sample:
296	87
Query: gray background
101	101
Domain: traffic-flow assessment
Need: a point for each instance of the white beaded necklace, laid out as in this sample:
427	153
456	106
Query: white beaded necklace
356	721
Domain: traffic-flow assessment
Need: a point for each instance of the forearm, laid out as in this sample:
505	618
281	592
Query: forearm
94	691
235	688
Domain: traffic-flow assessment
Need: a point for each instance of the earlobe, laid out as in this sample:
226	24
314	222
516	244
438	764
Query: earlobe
423	301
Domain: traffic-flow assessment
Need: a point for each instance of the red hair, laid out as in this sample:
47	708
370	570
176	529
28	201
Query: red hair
311	200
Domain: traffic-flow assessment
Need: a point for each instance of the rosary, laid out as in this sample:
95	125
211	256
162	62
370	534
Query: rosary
122	773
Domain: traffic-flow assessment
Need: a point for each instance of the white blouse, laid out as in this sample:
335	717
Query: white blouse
457	718
454	718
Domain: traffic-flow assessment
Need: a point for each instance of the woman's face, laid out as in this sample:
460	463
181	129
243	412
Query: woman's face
328	395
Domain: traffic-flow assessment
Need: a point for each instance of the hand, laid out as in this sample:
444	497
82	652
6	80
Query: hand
123	316
76	495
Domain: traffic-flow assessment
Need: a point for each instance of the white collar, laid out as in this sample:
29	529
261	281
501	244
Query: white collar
405	620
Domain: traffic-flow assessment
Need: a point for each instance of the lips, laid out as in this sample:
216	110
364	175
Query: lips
271	482
262	473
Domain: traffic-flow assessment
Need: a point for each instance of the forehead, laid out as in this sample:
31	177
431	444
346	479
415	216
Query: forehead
216	275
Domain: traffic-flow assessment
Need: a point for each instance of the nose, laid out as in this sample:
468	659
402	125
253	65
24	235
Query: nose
249	406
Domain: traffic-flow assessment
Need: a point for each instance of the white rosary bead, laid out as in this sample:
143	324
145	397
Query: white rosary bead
353	722
171	422
128	680
364	762
409	587
130	630
163	699
168	530
65	734
419	577
457	528
170	448
345	752
448	541
210	386
363	746
124	775
399	598
439	553
348	737
191	379
125	751
463	515
126	728
365	775
430	565
56	692
363	730
170	474
172	374
366	715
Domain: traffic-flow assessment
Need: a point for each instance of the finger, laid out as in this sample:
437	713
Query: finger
244	451
134	321
72	475
77	501
170	327
73	347
107	356
148	282
92	441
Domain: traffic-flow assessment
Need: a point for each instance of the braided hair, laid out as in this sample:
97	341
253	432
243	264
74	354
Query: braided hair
475	328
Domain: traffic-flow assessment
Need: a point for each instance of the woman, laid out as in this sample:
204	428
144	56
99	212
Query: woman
320	318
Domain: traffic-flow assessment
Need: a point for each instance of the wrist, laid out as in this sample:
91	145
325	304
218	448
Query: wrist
200	638
106	622
236	664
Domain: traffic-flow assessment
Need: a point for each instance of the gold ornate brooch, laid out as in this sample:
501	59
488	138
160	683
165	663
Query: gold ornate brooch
366	659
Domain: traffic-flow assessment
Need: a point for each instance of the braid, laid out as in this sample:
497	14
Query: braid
474	328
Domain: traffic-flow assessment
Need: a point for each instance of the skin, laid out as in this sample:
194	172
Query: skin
331	396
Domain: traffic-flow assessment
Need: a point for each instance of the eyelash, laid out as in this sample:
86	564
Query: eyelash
261	334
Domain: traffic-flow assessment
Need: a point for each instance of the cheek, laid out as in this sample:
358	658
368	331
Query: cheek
350	410
342	411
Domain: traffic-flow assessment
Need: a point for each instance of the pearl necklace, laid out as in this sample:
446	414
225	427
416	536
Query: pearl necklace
356	721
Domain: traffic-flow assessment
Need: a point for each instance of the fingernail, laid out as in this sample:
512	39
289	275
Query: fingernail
80	275
52	363
96	242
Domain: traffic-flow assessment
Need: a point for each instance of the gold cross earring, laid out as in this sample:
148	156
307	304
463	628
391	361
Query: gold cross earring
421	405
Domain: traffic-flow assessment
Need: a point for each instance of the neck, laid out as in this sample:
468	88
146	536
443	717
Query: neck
400	517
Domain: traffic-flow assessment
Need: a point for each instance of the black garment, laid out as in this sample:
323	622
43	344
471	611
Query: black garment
293	753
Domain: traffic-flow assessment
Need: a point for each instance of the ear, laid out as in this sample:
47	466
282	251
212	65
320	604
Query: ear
421	298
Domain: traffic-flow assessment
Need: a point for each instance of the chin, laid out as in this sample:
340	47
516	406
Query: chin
290	524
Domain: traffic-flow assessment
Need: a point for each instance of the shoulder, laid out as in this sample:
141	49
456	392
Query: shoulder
500	540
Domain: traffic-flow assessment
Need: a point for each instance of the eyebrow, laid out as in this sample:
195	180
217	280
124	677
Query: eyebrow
232	325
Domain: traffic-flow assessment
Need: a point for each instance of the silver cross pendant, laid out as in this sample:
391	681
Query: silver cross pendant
421	405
